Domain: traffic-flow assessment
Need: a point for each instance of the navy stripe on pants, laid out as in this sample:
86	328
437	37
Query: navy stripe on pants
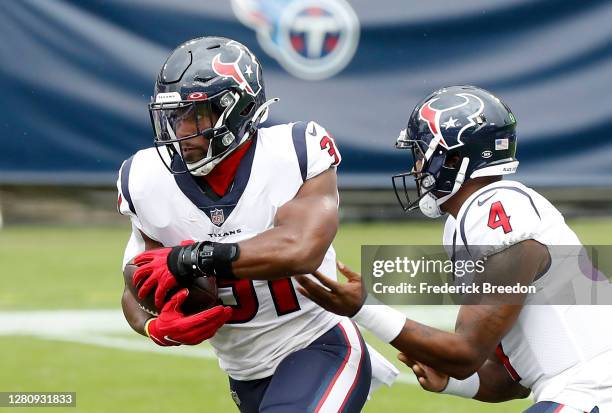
332	374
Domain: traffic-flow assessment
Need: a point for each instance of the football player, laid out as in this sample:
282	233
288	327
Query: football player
463	142
261	205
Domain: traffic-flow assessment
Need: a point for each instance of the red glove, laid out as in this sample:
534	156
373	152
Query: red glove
153	269
173	328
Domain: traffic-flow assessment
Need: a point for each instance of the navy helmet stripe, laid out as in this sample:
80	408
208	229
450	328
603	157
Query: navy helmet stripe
125	183
298	133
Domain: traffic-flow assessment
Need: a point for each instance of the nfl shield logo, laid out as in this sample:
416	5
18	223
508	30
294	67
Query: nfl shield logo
216	217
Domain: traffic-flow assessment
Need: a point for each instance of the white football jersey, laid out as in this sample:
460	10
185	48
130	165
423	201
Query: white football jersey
561	352
270	319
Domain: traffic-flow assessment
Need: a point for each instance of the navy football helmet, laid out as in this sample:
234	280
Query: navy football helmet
457	121
216	84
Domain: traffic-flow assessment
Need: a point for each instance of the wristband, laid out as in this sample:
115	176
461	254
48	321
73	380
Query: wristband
146	326
202	259
223	256
463	388
384	322
180	263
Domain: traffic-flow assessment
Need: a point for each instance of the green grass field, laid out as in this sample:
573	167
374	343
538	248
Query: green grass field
79	268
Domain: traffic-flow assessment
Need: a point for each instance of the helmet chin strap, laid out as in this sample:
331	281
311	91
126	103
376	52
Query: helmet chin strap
430	204
204	166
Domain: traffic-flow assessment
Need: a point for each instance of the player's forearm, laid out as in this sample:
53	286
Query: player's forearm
304	228
277	253
134	315
496	385
280	252
447	353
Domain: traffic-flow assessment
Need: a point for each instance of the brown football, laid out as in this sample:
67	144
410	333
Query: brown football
202	294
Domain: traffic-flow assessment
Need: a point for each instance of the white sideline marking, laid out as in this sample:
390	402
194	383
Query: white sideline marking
133	344
96	327
93	327
62	322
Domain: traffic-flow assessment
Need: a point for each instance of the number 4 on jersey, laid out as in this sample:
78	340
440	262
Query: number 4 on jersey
499	218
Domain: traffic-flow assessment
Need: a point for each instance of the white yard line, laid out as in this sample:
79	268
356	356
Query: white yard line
96	327
62	322
132	344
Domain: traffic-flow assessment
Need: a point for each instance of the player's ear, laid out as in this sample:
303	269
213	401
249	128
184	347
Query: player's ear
452	160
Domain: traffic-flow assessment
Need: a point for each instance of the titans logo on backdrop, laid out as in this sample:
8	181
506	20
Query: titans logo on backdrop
270	319
311	39
562	352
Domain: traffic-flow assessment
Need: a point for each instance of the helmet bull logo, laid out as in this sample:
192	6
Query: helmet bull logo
443	123
233	70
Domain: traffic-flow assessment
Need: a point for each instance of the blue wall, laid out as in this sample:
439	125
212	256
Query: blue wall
75	78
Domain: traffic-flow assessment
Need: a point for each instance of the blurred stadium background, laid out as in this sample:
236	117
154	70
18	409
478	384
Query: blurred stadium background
75	81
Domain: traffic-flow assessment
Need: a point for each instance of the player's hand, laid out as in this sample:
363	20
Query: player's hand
429	379
153	272
173	328
343	299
